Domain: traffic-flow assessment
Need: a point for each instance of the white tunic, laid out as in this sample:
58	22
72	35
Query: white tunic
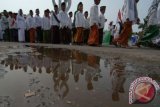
80	22
38	21
94	15
46	23
21	25
30	22
64	19
101	20
53	20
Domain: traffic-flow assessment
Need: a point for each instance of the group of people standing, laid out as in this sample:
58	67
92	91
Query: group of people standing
55	26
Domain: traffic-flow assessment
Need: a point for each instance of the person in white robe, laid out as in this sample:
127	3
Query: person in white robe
21	26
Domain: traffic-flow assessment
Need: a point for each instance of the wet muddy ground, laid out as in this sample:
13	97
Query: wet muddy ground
41	76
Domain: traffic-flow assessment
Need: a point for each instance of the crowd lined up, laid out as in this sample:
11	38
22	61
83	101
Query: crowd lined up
57	26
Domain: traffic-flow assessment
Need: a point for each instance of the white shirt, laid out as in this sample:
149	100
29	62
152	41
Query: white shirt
4	22
94	15
21	22
38	21
12	23
64	19
53	20
70	23
30	22
102	20
86	26
46	23
80	22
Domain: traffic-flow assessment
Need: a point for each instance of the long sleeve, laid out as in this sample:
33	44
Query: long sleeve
80	22
20	22
101	20
46	23
64	19
30	22
53	21
38	21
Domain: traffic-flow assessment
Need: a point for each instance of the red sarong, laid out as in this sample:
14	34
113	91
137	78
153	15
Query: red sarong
93	36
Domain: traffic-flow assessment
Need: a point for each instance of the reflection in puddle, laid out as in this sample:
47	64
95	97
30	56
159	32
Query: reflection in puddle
65	78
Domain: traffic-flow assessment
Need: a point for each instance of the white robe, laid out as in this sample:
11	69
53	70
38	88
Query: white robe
21	28
21	35
129	10
94	15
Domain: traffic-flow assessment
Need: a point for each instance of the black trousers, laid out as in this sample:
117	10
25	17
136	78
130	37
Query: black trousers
85	36
100	36
39	36
13	35
55	36
64	35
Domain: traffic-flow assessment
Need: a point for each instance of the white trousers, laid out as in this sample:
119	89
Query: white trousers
21	35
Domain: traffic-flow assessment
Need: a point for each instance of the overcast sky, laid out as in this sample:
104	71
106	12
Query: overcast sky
111	11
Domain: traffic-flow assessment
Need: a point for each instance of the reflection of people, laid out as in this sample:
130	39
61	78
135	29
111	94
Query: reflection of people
117	78
92	71
144	92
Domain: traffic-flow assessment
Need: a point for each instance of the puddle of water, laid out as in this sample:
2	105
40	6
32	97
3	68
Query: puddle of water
68	78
